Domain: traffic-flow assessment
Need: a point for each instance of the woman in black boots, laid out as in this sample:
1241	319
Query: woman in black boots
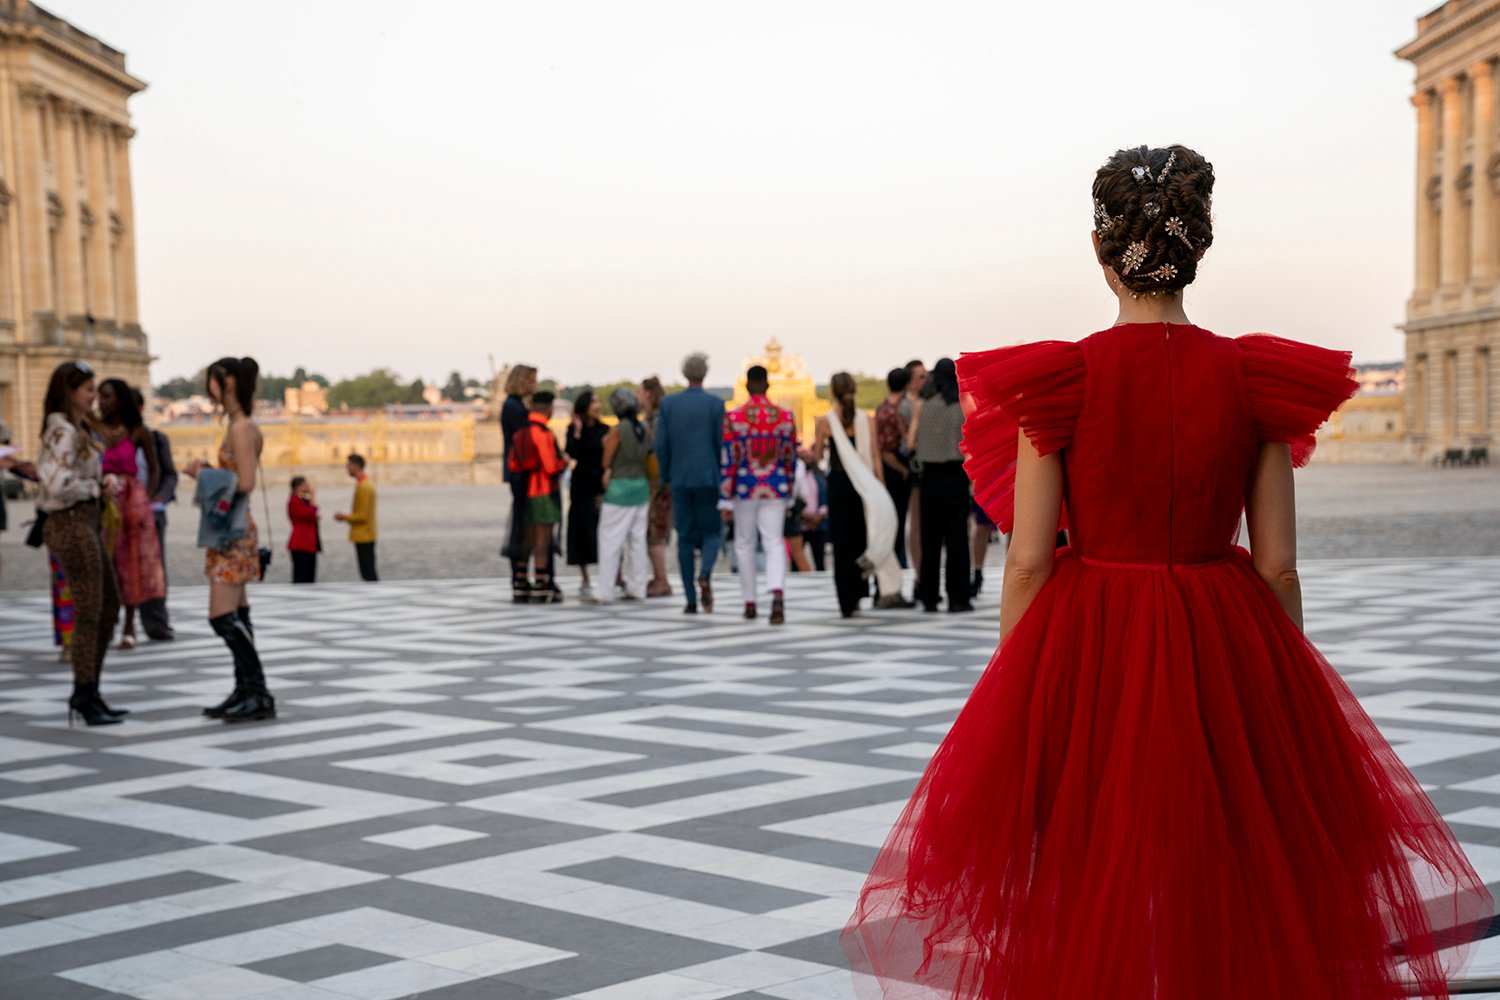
71	485
233	560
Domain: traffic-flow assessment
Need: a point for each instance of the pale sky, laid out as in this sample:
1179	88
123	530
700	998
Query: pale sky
599	188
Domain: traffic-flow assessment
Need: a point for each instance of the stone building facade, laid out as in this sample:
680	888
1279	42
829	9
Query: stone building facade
67	221
1453	316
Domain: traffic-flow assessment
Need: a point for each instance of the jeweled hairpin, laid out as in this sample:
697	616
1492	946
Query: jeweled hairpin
1164	273
1171	159
1134	256
1140	174
1102	222
1152	209
1177	229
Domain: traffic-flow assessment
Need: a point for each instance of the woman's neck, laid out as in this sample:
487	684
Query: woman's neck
1151	309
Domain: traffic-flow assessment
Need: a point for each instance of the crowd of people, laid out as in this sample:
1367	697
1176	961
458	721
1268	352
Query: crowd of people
743	477
735	479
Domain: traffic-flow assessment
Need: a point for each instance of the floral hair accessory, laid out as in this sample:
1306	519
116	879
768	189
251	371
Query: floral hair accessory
1176	228
1134	257
1102	222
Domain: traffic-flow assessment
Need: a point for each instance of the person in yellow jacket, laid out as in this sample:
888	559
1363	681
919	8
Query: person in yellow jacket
361	519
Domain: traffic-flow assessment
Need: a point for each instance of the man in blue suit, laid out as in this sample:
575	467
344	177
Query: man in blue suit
689	432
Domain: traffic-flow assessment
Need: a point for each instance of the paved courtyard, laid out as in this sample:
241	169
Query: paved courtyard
468	799
442	532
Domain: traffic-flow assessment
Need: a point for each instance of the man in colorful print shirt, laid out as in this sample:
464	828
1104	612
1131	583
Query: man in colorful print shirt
759	463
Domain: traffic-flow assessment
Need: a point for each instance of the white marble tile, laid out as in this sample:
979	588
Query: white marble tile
14	847
48	772
418	838
392	981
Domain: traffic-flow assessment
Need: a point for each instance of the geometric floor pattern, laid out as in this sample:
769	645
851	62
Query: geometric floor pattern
464	798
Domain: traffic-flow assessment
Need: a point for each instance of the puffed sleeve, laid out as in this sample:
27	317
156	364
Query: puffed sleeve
1037	388
1293	388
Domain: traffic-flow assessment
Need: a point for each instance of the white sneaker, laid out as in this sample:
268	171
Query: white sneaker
586	594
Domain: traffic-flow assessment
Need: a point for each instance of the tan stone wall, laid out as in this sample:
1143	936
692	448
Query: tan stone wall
1453	316
67	218
1367	429
297	443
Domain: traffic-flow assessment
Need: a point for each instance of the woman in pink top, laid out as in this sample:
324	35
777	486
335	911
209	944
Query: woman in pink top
136	552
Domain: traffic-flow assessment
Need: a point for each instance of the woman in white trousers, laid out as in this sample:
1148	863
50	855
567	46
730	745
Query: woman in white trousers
627	496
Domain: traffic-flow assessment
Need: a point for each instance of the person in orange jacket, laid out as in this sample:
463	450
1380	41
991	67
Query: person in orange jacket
534	453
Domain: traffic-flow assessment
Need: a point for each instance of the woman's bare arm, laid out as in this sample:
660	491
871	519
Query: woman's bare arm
1033	540
1271	513
244	442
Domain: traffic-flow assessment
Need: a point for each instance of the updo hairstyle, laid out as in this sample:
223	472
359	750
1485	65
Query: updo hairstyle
1152	211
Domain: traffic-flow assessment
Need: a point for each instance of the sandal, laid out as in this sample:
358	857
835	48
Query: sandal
127	642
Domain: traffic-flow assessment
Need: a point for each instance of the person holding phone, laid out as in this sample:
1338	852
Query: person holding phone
307	540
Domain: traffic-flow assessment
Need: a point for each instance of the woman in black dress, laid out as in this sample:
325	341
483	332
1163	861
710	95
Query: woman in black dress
586	449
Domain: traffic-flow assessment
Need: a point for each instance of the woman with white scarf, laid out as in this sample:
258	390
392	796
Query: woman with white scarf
861	516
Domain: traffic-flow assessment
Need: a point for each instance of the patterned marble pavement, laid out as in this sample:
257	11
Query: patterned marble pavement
464	798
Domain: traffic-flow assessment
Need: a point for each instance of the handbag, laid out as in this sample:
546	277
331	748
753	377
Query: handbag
264	552
34	537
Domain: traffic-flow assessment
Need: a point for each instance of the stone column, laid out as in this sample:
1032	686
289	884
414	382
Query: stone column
102	294
70	236
1427	220
1450	274
1482	221
31	201
125	208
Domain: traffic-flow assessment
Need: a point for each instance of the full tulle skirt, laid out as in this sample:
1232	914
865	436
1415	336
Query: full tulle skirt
1160	790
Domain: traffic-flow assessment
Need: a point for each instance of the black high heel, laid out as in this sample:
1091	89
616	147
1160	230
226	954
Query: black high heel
252	706
217	711
86	704
250	699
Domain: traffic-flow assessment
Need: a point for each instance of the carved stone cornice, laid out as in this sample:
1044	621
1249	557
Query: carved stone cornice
123	132
1447	30
33	95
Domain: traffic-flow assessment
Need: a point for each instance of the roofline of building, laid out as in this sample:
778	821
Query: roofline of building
25	21
1433	33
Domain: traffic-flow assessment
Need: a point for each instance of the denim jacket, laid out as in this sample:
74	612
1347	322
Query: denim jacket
223	511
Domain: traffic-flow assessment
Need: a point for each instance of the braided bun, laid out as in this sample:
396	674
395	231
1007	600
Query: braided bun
1152	214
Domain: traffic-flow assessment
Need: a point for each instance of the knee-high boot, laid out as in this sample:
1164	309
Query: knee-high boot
251	699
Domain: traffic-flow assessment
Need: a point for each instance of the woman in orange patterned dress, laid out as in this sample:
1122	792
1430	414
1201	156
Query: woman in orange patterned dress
231	385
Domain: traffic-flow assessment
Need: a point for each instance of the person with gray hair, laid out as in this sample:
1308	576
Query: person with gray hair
695	367
689	430
627	495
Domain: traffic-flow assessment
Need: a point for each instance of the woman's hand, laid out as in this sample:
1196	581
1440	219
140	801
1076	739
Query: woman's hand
112	485
194	467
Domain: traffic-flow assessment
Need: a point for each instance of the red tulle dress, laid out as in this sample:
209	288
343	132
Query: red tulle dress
1159	789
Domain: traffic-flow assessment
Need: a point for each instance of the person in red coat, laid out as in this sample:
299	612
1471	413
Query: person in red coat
306	541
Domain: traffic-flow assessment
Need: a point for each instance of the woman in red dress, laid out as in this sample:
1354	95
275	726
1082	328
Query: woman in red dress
1159	789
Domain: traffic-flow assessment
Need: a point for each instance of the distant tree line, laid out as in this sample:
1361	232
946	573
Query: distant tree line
377	388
